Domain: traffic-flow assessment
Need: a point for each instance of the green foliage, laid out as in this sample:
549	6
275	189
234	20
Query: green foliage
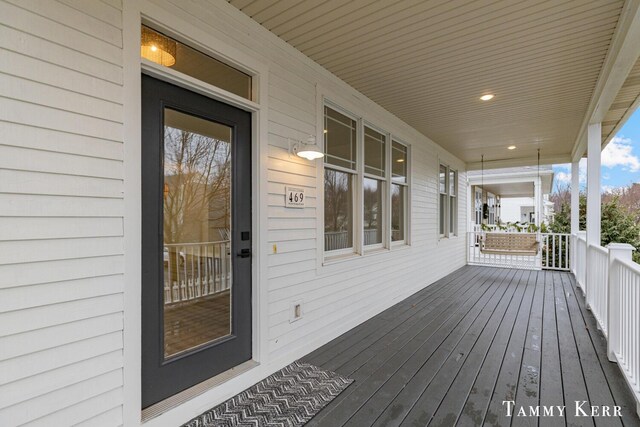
617	224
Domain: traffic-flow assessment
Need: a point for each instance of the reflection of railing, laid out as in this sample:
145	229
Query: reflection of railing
195	270
371	237
340	239
336	240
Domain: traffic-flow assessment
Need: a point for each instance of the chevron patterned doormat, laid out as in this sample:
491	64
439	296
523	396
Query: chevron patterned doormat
288	398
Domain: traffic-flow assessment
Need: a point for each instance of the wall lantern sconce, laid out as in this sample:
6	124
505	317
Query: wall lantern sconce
308	150
157	48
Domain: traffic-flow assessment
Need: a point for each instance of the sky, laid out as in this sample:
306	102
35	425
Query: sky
620	159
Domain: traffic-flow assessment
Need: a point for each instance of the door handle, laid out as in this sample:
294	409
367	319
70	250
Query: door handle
244	253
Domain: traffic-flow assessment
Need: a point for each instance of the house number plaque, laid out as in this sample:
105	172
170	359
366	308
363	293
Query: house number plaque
294	197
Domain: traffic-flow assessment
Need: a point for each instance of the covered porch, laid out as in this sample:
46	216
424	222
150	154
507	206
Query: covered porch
453	352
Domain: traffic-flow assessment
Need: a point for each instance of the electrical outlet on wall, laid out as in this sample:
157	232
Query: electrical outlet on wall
295	311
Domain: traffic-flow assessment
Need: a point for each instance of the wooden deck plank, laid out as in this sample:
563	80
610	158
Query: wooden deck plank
397	311
353	357
474	409
604	380
394	337
450	354
498	380
490	346
446	354
551	393
573	383
371	377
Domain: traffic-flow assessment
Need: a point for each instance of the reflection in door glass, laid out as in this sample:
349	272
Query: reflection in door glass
197	232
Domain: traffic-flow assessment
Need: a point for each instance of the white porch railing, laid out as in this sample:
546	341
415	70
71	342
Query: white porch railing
553	254
611	282
581	261
195	270
556	251
624	321
597	280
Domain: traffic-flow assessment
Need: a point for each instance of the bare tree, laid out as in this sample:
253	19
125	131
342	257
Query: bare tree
197	185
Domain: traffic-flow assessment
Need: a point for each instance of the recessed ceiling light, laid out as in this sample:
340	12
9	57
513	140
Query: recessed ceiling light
511	147
487	97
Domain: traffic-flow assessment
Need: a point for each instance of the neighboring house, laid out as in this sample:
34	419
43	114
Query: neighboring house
279	172
511	195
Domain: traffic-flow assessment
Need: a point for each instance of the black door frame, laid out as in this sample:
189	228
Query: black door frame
163	378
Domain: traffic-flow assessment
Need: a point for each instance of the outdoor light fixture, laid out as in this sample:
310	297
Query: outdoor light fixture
511	147
157	48
400	160
309	151
487	97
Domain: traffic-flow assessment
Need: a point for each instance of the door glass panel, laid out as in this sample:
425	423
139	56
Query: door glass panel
197	232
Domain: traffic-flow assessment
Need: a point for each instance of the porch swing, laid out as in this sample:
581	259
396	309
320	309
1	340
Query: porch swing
504	243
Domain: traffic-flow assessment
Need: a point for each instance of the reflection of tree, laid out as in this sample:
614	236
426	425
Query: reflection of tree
197	185
397	212
337	194
371	205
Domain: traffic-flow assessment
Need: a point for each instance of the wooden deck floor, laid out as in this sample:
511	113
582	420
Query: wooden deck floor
451	353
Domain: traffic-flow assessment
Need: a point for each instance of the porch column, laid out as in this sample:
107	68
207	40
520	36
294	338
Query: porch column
594	148
575	197
575	212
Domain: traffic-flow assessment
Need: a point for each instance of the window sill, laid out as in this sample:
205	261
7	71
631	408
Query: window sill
371	252
338	258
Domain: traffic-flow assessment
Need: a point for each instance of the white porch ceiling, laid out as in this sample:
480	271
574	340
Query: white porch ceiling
428	62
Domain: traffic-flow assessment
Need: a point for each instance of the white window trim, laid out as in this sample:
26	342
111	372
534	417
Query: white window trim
447	227
407	198
386	223
354	249
326	259
134	15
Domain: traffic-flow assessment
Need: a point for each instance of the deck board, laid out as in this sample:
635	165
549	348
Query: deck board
452	352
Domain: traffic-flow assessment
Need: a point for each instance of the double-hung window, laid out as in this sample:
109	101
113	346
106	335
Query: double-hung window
365	186
399	190
339	179
375	175
448	201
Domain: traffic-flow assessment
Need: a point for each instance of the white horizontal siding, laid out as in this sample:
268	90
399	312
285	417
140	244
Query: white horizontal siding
61	213
362	286
62	207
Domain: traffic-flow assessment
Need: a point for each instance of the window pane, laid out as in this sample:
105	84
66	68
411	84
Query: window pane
374	152
163	50
397	212
443	213
198	285
443	179
340	139
452	183
398	162
453	212
338	210
372	211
